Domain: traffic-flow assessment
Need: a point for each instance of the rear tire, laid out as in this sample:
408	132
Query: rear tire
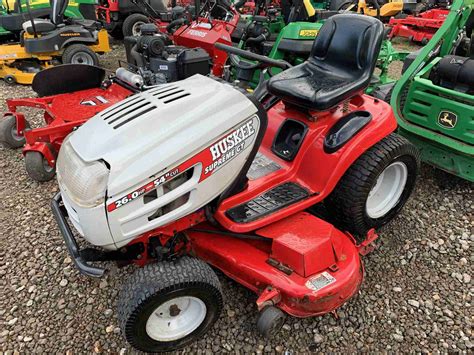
156	296
38	168
8	133
79	54
376	187
131	25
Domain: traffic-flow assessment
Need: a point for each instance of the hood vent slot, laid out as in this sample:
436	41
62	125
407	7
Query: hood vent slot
159	92
122	106
176	98
137	114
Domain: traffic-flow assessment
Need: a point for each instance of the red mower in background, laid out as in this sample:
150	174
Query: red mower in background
199	172
67	104
418	28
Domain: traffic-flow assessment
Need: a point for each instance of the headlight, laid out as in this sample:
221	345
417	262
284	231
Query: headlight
84	183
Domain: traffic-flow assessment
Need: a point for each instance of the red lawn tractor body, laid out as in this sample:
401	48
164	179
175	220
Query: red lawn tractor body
418	28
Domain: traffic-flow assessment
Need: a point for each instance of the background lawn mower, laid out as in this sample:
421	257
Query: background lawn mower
199	171
45	42
293	44
67	104
12	15
434	99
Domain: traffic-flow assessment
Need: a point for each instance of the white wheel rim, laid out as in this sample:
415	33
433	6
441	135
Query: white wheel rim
82	58
136	28
387	191
176	318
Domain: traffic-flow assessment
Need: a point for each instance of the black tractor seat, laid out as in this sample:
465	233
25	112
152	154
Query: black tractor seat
13	22
41	26
47	25
340	66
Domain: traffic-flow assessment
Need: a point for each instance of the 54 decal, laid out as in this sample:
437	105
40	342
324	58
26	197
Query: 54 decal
142	190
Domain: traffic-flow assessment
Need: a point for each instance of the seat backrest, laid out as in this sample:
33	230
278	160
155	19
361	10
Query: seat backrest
348	45
58	8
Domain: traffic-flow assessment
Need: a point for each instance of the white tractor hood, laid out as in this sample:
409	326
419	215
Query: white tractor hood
151	132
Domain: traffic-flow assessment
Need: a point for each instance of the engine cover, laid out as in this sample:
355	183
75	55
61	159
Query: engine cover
171	150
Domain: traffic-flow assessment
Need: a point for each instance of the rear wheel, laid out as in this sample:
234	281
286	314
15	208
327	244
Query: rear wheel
168	305
79	54
38	167
376	187
133	23
9	136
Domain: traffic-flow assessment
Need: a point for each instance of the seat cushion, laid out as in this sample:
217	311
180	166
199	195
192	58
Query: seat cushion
13	22
302	86
41	26
340	65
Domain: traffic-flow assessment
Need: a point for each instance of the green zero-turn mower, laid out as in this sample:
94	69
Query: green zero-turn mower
12	16
434	99
293	44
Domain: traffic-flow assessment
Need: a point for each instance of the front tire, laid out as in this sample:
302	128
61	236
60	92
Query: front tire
9	136
38	167
80	54
376	187
168	305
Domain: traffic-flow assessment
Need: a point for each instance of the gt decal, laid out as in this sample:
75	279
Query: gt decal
211	159
308	33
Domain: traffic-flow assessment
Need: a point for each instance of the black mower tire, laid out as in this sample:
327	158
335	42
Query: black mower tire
38	168
347	202
154	284
131	21
10	80
337	5
73	50
270	321
8	137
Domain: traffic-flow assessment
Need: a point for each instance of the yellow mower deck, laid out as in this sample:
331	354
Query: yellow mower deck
10	54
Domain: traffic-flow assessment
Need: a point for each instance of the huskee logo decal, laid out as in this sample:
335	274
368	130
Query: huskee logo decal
229	146
213	157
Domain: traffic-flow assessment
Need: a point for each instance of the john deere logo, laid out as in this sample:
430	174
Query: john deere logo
308	33
447	119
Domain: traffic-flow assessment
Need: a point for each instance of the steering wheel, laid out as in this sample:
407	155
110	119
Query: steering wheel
262	61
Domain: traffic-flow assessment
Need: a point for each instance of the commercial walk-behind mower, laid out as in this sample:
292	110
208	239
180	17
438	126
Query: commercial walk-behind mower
198	172
47	41
69	95
434	99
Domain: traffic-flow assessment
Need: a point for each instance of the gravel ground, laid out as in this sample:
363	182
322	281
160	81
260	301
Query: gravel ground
416	297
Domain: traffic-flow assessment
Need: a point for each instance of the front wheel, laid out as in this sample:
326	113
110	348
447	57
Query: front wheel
376	187
168	305
9	133
79	54
38	167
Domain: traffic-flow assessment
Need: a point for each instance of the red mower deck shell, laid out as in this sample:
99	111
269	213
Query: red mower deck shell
329	282
418	28
62	113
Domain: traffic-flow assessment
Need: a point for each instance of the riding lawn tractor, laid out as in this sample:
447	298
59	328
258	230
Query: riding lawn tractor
434	99
14	13
199	172
45	43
